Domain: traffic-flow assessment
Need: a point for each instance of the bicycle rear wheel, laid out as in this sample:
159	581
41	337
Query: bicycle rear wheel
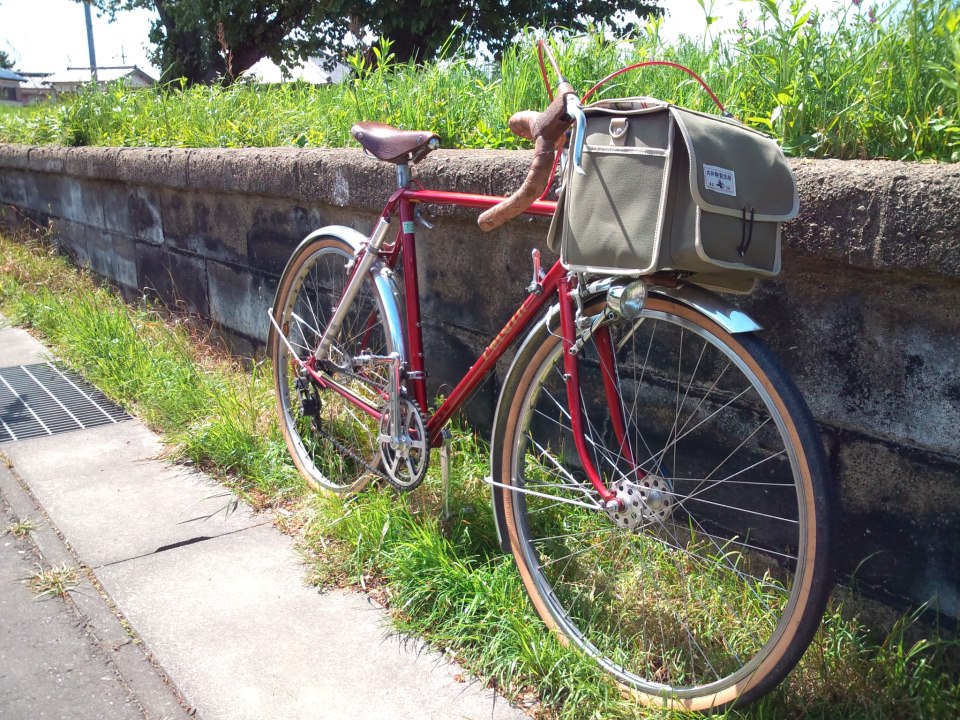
332	442
708	588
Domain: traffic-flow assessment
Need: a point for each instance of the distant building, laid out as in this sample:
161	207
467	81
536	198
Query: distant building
34	89
72	79
10	83
311	70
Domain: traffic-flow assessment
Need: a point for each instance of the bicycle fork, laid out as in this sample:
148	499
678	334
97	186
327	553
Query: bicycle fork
573	343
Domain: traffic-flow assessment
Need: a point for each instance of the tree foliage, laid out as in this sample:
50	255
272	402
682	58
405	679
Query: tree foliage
202	40
419	28
5	62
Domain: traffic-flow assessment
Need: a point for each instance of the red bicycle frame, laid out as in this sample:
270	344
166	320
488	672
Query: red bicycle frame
528	309
555	283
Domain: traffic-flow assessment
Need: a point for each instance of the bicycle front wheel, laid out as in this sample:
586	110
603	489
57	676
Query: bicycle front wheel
707	588
332	441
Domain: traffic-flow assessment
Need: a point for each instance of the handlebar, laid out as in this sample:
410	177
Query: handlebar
546	129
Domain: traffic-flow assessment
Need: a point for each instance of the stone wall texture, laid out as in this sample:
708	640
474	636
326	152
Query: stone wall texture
865	314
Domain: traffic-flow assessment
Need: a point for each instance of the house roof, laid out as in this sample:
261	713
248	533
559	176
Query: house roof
104	74
35	81
10	75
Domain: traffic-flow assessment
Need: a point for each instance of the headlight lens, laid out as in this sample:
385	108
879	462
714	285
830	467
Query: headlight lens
627	300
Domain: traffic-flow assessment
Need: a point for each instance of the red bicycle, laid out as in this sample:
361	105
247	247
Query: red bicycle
655	473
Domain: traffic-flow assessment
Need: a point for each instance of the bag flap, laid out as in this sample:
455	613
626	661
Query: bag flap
734	169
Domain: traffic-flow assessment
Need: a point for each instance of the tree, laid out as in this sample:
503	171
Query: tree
418	28
205	39
202	40
5	62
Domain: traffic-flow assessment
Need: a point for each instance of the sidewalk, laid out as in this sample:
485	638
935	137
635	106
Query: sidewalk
225	626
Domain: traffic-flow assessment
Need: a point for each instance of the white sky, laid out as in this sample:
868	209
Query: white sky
50	35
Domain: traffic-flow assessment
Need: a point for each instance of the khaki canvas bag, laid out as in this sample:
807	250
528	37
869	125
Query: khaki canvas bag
671	189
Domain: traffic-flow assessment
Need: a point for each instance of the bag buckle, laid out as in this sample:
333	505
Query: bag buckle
618	130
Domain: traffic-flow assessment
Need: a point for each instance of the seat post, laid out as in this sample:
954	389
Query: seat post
403	176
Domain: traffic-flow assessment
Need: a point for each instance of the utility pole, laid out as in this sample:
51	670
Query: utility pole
93	54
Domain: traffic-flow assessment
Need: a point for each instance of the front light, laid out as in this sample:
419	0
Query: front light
627	300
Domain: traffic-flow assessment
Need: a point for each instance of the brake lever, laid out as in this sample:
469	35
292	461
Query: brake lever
575	110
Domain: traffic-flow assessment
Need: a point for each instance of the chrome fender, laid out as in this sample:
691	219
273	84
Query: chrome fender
710	305
383	279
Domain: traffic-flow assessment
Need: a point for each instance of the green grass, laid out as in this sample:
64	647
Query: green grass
849	84
444	580
20	528
215	413
447	582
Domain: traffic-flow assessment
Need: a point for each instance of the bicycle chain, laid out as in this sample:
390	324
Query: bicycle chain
340	446
377	472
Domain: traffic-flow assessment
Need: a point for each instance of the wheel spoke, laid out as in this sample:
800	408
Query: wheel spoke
680	593
337	448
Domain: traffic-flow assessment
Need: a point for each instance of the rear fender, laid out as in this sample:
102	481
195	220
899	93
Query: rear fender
383	279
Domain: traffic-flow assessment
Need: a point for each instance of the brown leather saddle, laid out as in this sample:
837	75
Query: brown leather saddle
393	145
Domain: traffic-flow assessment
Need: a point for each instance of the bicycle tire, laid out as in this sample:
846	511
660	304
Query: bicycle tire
333	444
711	597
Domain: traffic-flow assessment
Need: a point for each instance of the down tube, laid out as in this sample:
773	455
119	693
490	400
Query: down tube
493	352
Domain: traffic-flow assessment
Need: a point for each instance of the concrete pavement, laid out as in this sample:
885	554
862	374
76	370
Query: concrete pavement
187	610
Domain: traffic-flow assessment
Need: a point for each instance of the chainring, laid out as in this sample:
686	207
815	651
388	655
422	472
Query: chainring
404	459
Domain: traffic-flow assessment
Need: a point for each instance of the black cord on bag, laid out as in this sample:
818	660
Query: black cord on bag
746	235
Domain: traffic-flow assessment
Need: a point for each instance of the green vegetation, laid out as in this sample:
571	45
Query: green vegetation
215	413
20	528
55	581
444	580
858	83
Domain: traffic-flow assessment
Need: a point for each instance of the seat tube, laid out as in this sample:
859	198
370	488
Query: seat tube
571	374
416	373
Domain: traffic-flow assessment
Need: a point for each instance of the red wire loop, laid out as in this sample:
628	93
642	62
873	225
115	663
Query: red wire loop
543	49
648	63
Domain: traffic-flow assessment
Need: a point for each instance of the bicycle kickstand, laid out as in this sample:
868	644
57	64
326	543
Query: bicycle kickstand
445	471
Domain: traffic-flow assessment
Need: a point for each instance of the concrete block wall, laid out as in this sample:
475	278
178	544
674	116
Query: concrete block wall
865	314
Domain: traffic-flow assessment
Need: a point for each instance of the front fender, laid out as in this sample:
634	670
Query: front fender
711	305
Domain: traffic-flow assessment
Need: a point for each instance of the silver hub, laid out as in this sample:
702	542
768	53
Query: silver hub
644	502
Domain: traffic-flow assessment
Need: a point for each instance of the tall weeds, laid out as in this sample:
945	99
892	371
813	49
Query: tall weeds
859	82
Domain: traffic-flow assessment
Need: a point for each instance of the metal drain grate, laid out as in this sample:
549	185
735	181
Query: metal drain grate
42	399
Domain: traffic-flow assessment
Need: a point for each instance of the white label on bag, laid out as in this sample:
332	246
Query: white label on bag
720	180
